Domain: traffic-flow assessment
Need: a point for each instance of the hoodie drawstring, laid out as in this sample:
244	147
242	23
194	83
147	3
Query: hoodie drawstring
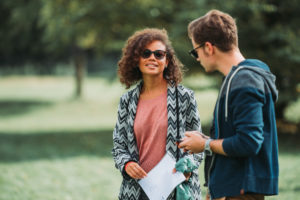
227	91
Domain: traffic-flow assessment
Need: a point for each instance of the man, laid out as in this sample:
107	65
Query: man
244	142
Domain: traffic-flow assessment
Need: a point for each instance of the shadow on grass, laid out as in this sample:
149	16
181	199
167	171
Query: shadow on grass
15	107
289	143
27	147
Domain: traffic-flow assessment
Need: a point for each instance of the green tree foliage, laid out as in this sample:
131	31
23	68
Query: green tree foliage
67	29
100	25
19	31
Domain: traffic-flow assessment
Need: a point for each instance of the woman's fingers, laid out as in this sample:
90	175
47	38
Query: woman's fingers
140	172
135	171
130	170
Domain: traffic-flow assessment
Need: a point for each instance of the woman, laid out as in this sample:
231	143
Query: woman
147	115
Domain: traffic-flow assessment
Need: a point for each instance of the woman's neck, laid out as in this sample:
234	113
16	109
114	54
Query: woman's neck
153	86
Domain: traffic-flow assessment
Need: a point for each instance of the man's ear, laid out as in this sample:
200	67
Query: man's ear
209	48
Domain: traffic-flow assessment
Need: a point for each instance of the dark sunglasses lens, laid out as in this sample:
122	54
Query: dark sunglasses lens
146	54
194	53
159	54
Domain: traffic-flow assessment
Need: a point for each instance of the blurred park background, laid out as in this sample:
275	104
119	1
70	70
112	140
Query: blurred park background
59	89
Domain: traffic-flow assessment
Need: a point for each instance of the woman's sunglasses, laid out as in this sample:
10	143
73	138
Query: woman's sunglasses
158	54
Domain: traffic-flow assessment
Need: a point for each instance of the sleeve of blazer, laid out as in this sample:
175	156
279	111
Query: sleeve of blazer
120	151
193	123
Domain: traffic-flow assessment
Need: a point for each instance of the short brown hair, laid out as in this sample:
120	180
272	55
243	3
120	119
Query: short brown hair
215	27
129	72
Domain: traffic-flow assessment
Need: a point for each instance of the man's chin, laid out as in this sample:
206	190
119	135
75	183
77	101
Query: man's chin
208	70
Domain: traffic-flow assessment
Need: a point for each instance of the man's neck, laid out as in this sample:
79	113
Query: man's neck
229	59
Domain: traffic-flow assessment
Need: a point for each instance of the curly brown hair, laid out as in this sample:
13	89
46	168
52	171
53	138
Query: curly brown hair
129	72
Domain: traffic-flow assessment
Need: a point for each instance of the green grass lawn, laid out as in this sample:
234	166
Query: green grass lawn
53	147
57	166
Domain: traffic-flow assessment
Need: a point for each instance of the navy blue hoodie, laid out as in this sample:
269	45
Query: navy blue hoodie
245	119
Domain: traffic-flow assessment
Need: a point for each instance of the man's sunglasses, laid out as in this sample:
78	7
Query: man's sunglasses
158	54
194	53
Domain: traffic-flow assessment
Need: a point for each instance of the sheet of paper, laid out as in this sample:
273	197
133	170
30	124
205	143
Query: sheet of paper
161	180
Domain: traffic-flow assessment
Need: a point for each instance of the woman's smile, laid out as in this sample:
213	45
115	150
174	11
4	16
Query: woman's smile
151	65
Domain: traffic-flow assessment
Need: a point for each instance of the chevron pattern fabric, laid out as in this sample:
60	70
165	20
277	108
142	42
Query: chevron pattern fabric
125	146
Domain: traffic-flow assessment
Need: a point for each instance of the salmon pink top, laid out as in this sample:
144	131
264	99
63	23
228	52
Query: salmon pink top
150	129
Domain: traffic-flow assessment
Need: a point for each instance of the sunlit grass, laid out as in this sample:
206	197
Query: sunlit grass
31	104
292	112
47	104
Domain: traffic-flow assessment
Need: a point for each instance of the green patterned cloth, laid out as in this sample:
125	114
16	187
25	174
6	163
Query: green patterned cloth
184	165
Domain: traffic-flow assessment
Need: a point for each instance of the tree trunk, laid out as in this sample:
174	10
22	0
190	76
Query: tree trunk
280	108
80	62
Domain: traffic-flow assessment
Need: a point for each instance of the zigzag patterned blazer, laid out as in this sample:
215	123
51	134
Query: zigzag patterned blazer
124	144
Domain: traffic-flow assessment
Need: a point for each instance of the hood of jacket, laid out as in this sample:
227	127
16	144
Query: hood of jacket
258	67
262	69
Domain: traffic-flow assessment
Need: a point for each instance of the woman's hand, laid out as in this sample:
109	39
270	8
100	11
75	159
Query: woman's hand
207	196
135	171
187	175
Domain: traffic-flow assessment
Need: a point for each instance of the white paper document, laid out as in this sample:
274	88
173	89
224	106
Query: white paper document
161	180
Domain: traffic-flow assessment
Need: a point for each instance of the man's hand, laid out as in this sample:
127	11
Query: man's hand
135	171
194	142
